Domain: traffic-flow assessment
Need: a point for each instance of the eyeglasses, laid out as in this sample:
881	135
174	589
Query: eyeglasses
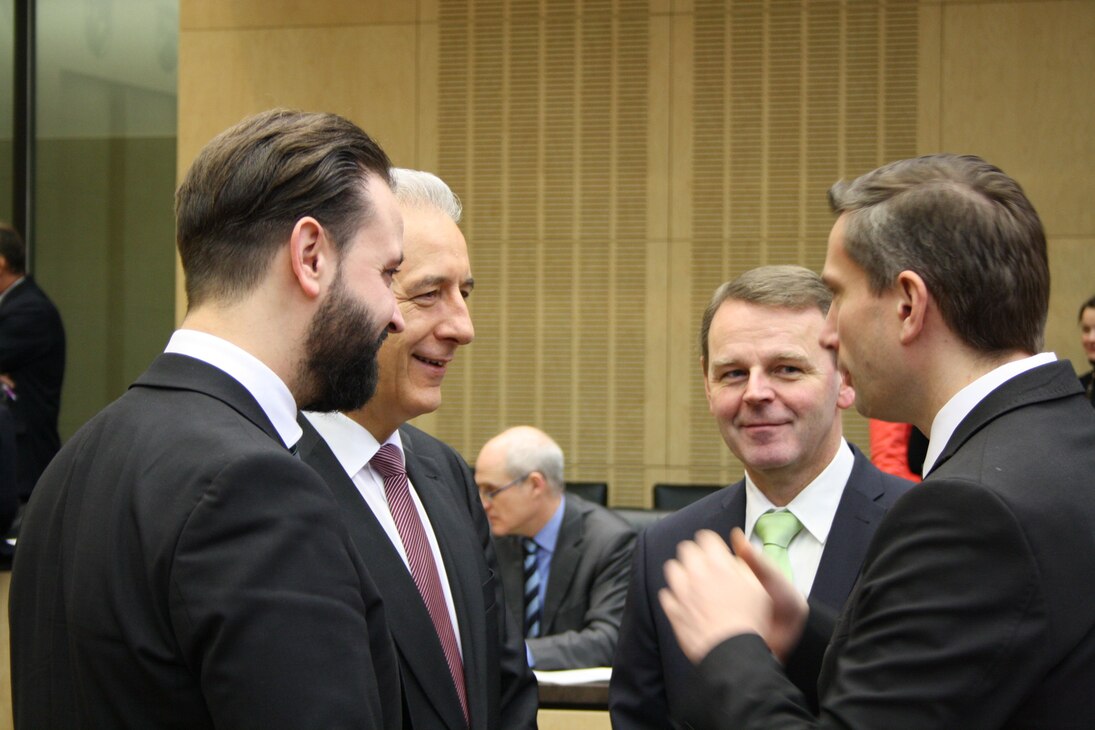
488	495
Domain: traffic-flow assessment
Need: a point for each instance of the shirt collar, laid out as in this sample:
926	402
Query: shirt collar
965	400
351	443
548	535
261	382
815	506
11	288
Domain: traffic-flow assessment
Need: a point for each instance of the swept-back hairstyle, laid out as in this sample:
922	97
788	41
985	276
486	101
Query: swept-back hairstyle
419	189
250	185
779	287
968	230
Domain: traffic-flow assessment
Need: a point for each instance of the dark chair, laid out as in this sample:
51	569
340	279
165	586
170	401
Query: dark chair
675	496
640	519
596	492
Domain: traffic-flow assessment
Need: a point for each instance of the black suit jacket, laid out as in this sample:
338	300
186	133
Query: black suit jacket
586	588
653	683
973	609
9	493
32	352
501	688
178	568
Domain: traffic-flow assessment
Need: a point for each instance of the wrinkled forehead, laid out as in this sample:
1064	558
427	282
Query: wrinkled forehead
433	245
743	330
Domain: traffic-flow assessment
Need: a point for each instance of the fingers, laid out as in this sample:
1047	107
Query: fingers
764	569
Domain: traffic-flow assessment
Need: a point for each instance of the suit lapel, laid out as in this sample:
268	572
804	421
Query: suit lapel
1043	383
410	625
849	535
455	538
181	372
564	563
511	564
732	513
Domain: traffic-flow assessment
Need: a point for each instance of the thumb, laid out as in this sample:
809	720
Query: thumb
766	571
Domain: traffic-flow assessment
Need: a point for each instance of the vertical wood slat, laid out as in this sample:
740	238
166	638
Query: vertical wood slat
549	100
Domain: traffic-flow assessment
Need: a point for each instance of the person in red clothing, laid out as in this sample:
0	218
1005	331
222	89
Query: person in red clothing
890	448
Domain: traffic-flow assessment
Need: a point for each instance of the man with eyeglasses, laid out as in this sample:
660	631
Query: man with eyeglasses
565	561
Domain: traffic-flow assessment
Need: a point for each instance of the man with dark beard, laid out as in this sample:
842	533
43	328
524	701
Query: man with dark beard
178	567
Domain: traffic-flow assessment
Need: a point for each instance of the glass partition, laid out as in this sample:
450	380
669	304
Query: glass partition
104	249
7	104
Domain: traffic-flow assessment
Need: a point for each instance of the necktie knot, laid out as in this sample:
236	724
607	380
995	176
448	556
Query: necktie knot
778	528
388	461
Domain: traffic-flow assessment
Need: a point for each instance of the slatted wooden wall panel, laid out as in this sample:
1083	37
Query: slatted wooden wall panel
546	119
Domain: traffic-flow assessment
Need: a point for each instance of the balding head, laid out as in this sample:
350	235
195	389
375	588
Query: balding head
520	478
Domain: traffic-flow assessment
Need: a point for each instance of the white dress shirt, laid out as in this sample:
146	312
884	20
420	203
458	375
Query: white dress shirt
815	507
965	400
261	382
354	447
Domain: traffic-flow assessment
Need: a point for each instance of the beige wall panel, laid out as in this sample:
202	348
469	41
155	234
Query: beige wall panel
682	371
251	14
1072	272
660	159
930	40
1031	112
619	159
366	73
425	155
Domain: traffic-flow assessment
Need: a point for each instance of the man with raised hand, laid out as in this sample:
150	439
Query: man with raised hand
967	611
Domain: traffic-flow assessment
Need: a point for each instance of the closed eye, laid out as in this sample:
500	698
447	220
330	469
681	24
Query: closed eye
427	297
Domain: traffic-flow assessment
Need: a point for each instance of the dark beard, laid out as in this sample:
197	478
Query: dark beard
339	369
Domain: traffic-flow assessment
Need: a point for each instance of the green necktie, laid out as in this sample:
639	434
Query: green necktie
776	530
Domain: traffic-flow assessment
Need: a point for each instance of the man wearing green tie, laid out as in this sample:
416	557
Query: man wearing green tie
809	499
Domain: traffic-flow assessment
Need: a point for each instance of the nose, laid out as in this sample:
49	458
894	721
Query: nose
395	324
458	326
828	337
758	388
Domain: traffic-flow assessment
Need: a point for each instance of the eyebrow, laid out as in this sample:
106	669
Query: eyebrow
786	356
430	281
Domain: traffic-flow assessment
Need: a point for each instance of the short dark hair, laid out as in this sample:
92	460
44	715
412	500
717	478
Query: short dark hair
250	185
968	230
13	249
779	287
1089	304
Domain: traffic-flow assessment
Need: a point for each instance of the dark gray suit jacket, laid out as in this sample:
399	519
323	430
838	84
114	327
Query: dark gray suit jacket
586	588
178	568
501	688
974	606
653	683
32	352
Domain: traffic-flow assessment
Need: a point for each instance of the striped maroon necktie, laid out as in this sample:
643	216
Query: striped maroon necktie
389	463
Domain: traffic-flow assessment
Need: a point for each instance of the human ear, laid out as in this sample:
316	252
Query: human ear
912	304
309	254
